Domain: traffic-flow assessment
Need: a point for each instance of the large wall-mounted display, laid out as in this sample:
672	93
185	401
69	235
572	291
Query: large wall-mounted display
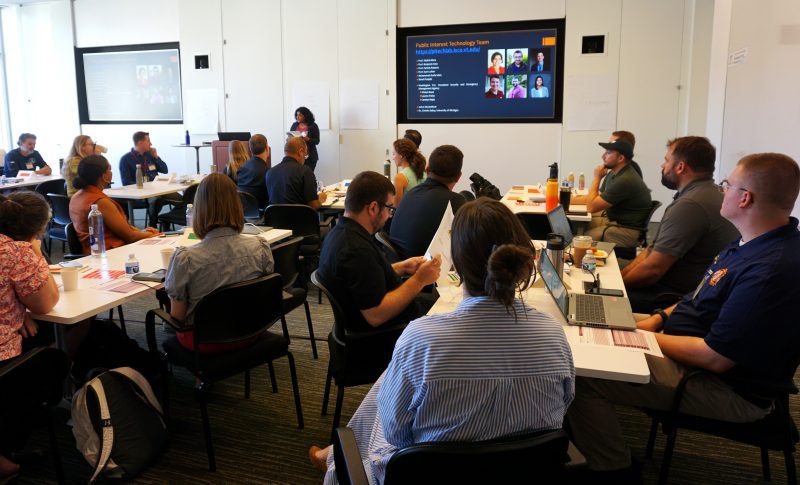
129	84
481	73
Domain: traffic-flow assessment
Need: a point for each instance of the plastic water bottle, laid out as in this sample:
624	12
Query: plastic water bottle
589	263
132	264
189	215
139	177
387	169
188	140
97	239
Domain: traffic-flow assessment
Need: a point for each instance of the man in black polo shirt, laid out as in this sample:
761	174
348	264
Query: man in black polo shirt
250	177
355	270
739	324
291	182
421	211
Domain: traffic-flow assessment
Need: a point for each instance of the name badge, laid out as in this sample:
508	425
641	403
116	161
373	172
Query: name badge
151	167
29	165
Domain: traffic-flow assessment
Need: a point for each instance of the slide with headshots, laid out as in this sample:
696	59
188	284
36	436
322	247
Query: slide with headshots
495	75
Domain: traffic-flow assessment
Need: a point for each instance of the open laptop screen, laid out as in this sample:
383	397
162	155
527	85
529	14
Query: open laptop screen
559	224
553	283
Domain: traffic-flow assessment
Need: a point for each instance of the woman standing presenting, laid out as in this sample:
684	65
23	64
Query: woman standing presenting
309	131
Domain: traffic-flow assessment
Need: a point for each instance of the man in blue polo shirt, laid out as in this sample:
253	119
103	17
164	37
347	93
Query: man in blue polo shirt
145	155
739	324
25	158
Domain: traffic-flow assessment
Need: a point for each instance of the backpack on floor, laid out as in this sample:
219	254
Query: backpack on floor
118	424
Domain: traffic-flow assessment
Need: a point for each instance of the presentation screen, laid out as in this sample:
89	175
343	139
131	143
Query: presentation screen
129	84
481	73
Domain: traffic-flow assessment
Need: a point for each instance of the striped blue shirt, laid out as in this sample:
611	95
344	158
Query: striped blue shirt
470	375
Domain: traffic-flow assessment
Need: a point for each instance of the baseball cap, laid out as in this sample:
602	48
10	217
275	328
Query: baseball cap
620	146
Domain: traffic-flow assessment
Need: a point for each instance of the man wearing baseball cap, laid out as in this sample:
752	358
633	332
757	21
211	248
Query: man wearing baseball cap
624	200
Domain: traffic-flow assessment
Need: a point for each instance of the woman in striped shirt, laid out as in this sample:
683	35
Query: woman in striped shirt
494	367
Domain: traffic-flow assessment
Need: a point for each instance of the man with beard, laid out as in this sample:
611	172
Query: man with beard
353	267
623	201
691	233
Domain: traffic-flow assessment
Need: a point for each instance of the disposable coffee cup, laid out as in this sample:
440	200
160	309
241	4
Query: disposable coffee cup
69	278
166	256
579	246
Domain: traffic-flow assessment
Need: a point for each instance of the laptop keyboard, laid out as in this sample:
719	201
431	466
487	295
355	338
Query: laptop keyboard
589	308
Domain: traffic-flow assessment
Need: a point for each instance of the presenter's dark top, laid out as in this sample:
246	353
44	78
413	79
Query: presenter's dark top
312	132
745	308
355	270
151	166
16	161
418	216
289	182
250	179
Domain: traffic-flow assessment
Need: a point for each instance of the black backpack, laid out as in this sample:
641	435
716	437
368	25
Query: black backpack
118	423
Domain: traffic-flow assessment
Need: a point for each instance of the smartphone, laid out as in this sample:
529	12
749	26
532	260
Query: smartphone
605	292
156	276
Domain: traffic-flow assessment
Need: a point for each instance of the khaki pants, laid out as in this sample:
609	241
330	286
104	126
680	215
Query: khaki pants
593	420
624	237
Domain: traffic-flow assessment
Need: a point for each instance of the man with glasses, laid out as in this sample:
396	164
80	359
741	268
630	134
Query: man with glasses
291	181
739	324
691	232
419	215
354	269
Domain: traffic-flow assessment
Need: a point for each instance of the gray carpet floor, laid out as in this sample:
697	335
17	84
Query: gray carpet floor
257	439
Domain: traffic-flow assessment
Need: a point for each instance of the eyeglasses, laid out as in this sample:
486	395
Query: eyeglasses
391	208
725	185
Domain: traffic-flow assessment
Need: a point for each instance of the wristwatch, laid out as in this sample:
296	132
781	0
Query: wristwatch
662	314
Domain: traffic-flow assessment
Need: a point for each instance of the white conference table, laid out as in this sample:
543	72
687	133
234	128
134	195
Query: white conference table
529	199
151	189
31	180
603	362
336	195
95	295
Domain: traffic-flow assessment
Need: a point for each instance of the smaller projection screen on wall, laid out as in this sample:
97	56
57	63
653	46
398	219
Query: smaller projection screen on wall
510	72
129	84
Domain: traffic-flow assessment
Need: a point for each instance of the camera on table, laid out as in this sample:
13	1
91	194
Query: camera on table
483	188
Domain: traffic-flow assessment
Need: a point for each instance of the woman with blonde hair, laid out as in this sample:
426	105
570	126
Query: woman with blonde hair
410	165
82	146
223	257
237	156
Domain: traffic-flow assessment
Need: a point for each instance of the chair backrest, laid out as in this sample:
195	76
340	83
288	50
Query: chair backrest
40	361
339	316
654	205
301	219
219	153
60	205
388	248
73	241
467	195
52	187
188	194
238	311
250	206
285	256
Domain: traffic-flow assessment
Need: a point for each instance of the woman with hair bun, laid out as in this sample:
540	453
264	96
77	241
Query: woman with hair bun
410	165
461	376
94	174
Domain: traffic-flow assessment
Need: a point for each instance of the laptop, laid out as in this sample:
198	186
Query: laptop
559	224
586	310
233	135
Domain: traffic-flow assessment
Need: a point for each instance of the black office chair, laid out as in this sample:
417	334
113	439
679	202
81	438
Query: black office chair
388	248
16	376
51	187
259	304
467	195
250	206
76	252
630	253
776	431
303	221
285	256
356	358
56	230
177	215
529	458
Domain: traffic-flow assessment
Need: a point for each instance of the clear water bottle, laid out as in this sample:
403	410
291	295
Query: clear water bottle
387	169
589	263
139	177
97	239
132	264
189	215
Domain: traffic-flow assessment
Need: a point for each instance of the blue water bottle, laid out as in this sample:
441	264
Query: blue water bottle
97	240
188	141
